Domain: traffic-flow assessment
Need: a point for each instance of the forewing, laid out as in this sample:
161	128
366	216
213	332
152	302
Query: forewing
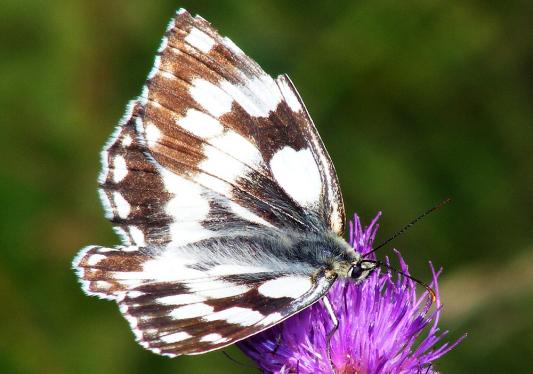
213	116
174	308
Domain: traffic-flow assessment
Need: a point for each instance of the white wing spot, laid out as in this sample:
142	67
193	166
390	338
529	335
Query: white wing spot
135	294
186	233
210	97
214	338
289	286
214	184
94	259
298	174
112	140
216	288
238	147
248	215
191	311
169	267
222	165
271	318
123	207
106	250
102	285
188	208
175	337
152	134
236	315
137	235
120	170
200	40
167	75
127	140
258	96
290	97
182	299
200	124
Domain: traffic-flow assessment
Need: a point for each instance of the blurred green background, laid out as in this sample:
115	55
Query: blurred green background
415	100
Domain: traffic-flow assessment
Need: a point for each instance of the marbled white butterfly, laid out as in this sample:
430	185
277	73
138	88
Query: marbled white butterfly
225	199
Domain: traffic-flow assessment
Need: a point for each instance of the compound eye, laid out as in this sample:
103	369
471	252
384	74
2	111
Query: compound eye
355	271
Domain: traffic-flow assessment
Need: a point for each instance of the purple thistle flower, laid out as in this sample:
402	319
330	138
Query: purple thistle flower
381	322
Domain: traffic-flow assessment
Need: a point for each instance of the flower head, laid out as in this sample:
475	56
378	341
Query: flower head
384	327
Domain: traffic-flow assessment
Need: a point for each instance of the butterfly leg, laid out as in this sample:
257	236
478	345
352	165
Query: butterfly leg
278	344
335	322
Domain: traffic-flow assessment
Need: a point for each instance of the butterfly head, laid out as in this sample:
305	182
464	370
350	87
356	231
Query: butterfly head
350	264
361	269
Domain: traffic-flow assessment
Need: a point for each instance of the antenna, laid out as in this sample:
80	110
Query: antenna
430	290
406	227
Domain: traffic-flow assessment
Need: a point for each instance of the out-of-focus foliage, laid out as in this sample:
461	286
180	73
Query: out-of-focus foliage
416	100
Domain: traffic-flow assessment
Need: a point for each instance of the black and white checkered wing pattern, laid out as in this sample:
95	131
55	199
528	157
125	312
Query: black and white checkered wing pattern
212	116
206	176
176	305
214	139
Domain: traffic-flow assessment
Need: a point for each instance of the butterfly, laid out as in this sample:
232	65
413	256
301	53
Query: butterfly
226	202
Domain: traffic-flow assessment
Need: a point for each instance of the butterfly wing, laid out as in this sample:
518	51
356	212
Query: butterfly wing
204	179
176	305
212	115
214	136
